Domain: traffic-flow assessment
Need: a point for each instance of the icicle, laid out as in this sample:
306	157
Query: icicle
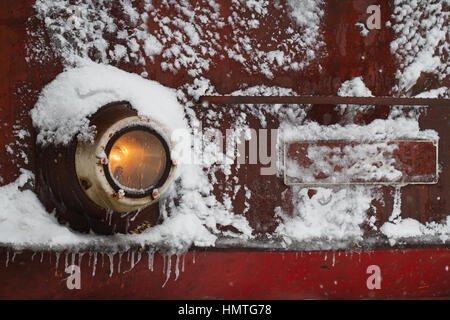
109	215
132	263
95	264
296	255
193	257
164	264
325	257
334	258
282	256
103	259
14	256
111	264
137	213
139	258
42	256
32	256
57	262
169	269
151	257
7	258
182	267
66	264
177	270
73	257
120	262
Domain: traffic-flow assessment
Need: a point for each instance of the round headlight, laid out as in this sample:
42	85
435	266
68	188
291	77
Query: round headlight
138	161
128	165
112	183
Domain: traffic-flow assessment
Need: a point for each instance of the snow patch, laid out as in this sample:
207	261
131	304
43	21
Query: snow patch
65	104
379	129
24	223
422	40
408	228
370	162
354	88
326	215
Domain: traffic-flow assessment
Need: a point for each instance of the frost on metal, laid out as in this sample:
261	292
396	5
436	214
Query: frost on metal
182	35
421	43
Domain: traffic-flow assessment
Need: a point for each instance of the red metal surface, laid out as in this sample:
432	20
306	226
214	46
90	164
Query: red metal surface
236	275
416	160
411	274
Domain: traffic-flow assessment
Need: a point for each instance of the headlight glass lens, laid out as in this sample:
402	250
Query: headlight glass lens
137	160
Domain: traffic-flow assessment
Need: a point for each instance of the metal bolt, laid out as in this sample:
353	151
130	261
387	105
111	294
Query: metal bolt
119	194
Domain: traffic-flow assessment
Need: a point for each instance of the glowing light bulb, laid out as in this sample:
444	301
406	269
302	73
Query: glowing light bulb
137	160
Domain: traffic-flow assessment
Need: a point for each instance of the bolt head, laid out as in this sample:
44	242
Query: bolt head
119	194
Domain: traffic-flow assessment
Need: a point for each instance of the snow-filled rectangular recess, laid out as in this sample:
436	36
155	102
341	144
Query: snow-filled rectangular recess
355	162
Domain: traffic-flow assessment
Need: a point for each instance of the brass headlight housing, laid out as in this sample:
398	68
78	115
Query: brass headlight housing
112	183
128	166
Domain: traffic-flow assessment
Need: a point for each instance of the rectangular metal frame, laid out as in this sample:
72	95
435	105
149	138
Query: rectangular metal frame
385	183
